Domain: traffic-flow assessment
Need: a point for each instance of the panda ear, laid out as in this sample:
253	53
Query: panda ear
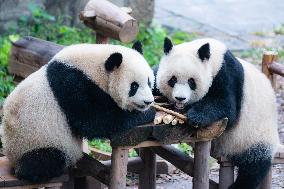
168	45
114	60
204	52
138	47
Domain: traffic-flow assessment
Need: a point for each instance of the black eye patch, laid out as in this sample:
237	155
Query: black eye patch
149	83
172	81
192	84
133	88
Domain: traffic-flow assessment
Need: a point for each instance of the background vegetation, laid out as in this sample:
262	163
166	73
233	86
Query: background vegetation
45	26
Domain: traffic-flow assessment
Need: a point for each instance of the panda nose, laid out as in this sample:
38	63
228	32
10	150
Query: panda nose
180	98
148	102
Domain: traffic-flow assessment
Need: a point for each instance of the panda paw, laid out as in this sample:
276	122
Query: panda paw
194	119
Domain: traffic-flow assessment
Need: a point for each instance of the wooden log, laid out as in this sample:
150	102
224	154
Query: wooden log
119	158
7	179
179	160
267	59
201	165
99	154
28	54
134	165
166	134
276	68
175	157
111	21
147	177
88	166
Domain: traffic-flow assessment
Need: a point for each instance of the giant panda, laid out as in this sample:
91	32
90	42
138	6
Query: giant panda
86	90
206	80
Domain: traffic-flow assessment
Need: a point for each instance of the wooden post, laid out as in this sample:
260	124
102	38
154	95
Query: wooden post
267	181
268	58
119	159
180	160
226	174
101	39
147	177
201	167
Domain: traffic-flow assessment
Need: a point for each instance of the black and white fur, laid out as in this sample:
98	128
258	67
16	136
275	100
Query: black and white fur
205	77
85	91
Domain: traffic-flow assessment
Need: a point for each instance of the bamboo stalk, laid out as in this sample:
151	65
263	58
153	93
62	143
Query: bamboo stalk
178	115
159	117
168	119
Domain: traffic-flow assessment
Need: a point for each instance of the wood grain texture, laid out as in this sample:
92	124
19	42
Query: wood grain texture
7	179
119	158
267	59
28	54
180	160
88	166
276	68
147	177
156	135
201	165
109	20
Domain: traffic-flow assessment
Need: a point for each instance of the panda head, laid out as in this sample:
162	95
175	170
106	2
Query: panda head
186	71
130	78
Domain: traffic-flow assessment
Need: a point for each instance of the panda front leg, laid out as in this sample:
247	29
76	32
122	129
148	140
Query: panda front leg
253	165
40	165
209	110
134	119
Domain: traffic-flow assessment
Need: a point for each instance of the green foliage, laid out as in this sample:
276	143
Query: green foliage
101	144
279	30
185	148
104	145
6	81
153	37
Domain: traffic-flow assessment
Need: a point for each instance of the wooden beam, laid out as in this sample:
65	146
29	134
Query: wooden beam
134	165
88	166
180	160
111	21
175	157
147	177
201	165
166	134
276	68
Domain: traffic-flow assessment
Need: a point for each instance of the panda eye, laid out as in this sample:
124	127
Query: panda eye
192	83
172	81
149	83
133	88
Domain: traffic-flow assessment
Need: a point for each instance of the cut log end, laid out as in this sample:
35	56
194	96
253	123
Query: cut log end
129	31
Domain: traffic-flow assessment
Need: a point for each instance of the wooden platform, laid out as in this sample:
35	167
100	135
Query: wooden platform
9	181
